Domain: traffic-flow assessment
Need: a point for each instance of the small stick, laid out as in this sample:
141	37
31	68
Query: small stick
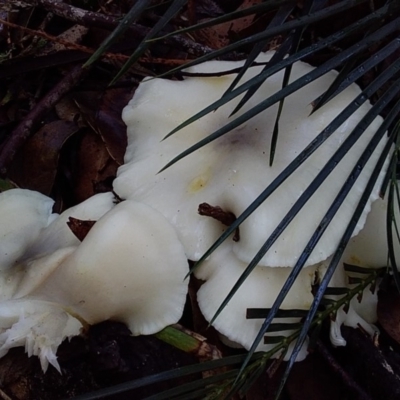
225	217
95	19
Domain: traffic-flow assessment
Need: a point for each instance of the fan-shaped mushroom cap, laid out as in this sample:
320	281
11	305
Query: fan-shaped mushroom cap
35	242
234	169
222	270
24	214
130	267
58	234
370	248
30	274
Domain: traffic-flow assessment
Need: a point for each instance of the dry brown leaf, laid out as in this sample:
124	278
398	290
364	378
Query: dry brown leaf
35	166
103	113
220	35
79	227
67	110
95	168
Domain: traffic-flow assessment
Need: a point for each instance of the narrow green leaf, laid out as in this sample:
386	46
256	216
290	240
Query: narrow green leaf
361	126
300	22
251	380
256	313
327	302
336	291
310	190
277	327
282	14
334	262
336	84
289	46
324	135
167	16
164	376
258	9
191	386
274	339
132	15
330	40
289	89
346	78
356	268
278	56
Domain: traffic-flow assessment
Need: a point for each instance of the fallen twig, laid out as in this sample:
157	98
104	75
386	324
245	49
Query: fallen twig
94	19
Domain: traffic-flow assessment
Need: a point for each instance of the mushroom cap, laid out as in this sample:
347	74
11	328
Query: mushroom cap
260	289
370	247
24	214
130	267
58	234
233	170
37	244
33	272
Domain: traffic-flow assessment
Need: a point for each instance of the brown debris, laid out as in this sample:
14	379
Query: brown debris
102	112
93	168
21	133
226	217
35	165
79	227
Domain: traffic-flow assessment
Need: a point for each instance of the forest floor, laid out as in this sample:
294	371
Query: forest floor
62	135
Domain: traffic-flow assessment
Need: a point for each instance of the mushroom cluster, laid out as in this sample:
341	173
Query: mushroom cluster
132	263
230	172
130	267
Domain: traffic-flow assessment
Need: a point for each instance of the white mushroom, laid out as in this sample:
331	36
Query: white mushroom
37	241
370	248
58	234
37	325
221	271
130	268
24	214
234	169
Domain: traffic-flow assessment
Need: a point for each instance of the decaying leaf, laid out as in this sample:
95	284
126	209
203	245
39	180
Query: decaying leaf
102	111
35	166
221	35
80	228
95	169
